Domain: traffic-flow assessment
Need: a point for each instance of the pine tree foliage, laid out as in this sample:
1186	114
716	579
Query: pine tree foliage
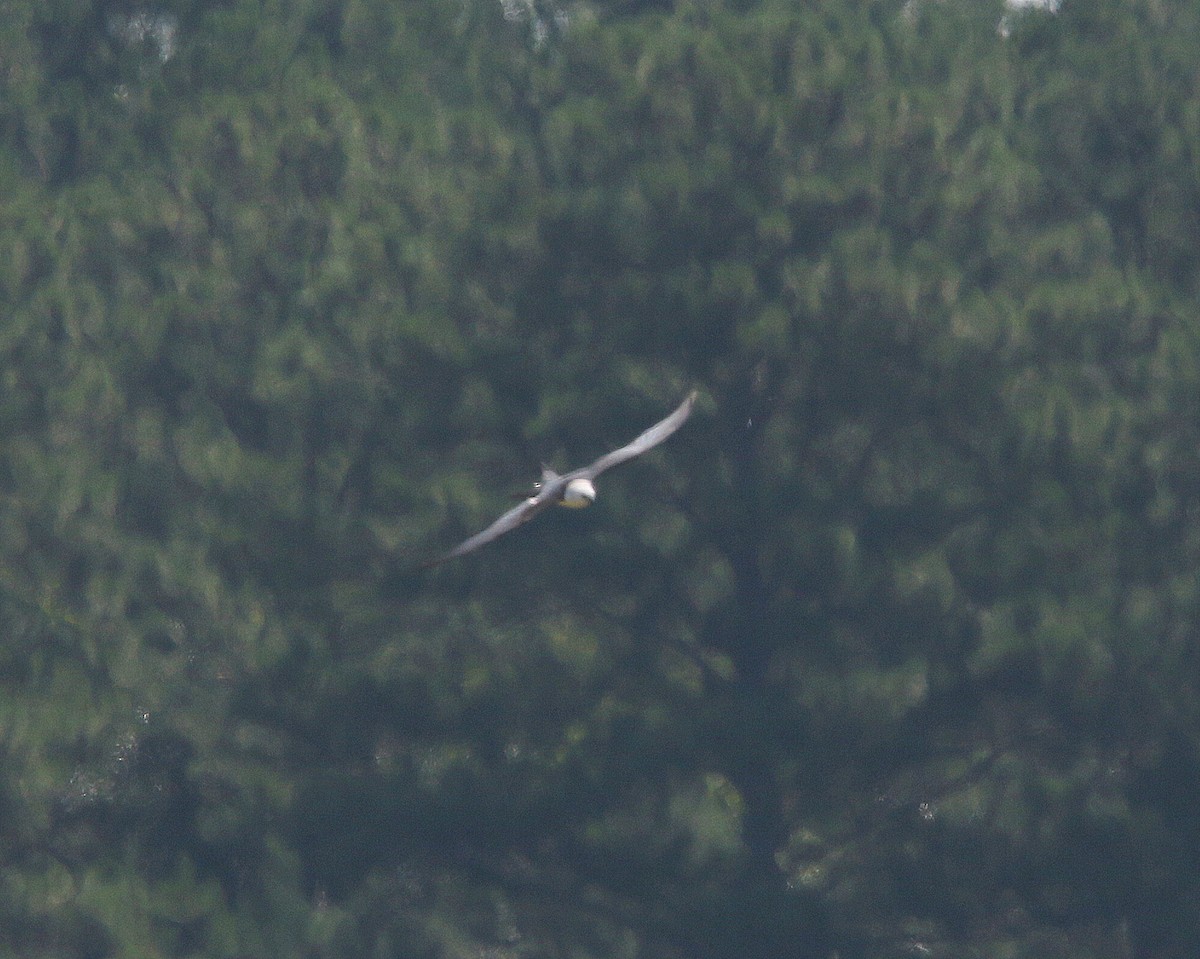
890	652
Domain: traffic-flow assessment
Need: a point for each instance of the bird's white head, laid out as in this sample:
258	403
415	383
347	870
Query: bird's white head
579	492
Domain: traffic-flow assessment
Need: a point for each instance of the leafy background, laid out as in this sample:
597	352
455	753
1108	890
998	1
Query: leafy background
891	652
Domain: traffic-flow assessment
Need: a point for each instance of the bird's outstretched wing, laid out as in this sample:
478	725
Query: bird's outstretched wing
523	512
648	440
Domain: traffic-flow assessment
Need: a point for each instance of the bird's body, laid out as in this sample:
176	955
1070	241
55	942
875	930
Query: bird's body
576	488
578	493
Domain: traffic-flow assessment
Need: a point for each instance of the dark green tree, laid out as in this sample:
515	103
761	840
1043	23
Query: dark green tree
888	652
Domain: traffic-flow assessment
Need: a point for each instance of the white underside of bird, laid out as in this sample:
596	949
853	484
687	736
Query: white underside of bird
578	493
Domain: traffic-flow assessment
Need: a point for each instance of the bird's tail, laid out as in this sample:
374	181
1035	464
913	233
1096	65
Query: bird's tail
548	476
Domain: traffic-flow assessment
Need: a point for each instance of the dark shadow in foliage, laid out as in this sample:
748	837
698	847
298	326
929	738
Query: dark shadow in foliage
1164	798
143	795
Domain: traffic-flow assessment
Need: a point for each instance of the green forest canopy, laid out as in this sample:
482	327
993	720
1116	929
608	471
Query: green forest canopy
891	652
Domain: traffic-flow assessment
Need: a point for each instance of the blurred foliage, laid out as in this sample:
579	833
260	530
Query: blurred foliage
891	652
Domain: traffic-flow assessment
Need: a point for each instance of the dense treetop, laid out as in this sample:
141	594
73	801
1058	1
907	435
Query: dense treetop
891	651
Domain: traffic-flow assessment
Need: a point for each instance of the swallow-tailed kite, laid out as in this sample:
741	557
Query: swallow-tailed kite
574	489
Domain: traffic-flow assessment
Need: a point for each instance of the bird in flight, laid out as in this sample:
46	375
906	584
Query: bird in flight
574	489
